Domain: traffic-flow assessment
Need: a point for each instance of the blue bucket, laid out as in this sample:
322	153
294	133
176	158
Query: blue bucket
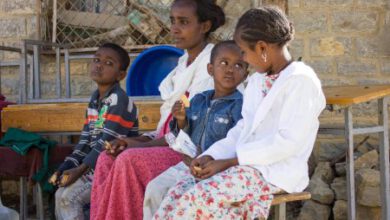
150	68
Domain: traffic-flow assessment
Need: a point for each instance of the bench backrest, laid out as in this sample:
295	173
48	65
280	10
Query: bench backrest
67	117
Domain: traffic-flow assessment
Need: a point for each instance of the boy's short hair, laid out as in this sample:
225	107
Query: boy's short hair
218	46
122	53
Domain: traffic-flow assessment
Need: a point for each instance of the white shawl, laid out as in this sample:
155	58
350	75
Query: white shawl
193	79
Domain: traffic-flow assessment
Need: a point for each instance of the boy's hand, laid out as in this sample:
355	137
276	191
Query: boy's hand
178	111
198	164
115	147
55	178
68	177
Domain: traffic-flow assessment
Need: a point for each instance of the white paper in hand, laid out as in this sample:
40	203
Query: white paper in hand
182	144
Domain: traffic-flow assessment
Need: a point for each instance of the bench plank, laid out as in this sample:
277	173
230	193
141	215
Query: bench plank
67	117
283	198
354	94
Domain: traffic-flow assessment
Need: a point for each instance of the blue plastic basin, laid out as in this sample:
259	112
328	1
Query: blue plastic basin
150	68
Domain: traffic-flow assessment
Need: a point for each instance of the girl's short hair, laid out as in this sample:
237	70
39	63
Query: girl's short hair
268	24
207	10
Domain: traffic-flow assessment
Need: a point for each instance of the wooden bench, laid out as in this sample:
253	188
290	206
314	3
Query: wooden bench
69	118
280	201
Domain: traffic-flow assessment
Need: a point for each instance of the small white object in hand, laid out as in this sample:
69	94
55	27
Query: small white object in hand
182	144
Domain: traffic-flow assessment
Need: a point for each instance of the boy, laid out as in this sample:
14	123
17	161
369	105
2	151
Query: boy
110	115
208	119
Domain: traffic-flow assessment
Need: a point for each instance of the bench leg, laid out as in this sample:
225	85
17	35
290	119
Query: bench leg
23	198
39	202
280	211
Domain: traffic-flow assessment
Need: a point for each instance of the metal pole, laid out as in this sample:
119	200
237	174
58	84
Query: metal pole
67	74
350	163
23	73
58	72
383	119
23	198
36	72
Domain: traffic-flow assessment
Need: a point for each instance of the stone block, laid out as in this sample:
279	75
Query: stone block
340	210
293	3
325	151
356	67
385	67
320	191
18	6
324	172
12	27
352	21
336	81
372	3
316	24
9	56
82	86
297	48
339	187
331	46
323	66
368	187
340	169
327	3
313	210
32	31
371	213
374	47
373	80
367	160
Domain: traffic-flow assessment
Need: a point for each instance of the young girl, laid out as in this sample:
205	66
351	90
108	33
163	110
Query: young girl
267	151
119	185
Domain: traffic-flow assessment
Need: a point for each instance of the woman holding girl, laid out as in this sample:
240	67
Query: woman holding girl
121	178
267	151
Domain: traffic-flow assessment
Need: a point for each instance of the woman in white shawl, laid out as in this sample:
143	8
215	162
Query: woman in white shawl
119	184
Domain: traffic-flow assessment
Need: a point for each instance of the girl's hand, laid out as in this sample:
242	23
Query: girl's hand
187	159
68	177
213	167
198	164
178	111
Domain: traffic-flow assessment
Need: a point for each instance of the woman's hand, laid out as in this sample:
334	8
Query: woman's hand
115	147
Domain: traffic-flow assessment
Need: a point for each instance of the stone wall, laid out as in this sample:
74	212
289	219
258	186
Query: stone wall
18	20
344	40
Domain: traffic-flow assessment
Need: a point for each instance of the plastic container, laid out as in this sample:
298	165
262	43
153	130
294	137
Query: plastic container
150	68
